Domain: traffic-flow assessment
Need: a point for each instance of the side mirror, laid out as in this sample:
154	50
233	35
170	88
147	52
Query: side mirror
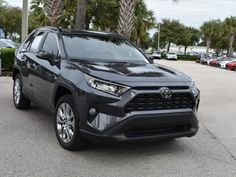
150	59
47	56
23	51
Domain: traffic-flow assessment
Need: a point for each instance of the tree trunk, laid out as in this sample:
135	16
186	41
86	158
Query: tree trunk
138	39
168	47
231	42
208	46
126	14
81	15
185	49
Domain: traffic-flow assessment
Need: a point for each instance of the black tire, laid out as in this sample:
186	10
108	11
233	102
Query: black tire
77	142
20	102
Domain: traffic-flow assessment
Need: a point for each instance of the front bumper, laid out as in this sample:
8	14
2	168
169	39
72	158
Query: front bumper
148	127
113	124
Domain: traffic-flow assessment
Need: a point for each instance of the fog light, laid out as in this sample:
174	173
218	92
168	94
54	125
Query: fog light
92	111
103	121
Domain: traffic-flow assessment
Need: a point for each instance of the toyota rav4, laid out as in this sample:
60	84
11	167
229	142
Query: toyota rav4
102	89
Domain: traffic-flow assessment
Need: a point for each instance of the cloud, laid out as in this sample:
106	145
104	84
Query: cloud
192	12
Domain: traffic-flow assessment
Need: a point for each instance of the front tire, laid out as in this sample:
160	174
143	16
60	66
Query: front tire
20	101
66	124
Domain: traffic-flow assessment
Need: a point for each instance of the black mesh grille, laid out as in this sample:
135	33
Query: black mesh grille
158	131
146	102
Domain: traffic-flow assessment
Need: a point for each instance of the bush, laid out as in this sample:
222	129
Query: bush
188	58
8	58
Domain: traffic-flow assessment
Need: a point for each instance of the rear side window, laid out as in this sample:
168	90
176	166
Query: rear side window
36	42
50	44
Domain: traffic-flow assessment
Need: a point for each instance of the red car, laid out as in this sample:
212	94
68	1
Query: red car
231	66
213	62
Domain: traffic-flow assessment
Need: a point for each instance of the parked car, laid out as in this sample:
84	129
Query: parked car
156	55
225	62
204	60
210	60
216	62
171	56
102	89
7	43
231	65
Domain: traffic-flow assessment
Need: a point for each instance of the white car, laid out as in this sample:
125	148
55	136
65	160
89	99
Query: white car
171	56
156	55
225	62
7	43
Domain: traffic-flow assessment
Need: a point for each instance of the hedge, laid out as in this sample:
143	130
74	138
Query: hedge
188	57
8	57
184	57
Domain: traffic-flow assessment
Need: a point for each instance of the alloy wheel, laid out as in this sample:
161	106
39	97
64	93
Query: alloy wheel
17	91
65	122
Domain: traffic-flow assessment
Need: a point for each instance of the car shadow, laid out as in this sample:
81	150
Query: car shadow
95	151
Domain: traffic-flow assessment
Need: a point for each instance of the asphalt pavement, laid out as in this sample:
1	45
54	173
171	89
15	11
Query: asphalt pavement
28	145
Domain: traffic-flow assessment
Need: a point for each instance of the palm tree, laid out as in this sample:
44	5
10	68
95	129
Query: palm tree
81	14
209	30
230	26
125	24
143	21
54	9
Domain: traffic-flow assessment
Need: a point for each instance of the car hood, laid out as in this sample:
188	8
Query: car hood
225	62
233	63
133	74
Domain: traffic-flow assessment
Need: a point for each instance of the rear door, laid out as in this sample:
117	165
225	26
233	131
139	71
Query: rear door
25	57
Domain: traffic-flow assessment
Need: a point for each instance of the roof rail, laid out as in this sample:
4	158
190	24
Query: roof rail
54	28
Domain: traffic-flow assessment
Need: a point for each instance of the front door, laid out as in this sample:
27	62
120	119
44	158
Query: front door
47	72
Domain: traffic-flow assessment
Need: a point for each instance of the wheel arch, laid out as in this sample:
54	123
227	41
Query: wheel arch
61	90
15	72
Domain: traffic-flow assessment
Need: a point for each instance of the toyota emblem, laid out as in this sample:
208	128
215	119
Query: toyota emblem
166	93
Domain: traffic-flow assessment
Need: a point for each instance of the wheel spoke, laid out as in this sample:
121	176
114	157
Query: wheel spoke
68	137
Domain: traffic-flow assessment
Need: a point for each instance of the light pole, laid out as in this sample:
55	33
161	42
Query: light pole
159	36
24	24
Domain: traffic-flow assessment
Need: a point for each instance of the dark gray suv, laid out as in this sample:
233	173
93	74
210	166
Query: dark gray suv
101	88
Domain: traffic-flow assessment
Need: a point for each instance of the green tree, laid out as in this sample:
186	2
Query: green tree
103	14
230	27
220	40
37	15
189	36
143	21
170	33
209	31
10	19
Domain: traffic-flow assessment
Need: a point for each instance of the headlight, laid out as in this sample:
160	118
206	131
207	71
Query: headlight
114	89
194	89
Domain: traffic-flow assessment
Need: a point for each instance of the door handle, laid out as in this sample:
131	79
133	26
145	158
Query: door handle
23	58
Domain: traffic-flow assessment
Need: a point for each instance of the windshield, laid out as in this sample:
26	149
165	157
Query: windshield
101	49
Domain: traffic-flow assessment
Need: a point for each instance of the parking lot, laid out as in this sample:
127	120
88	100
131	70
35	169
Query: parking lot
29	146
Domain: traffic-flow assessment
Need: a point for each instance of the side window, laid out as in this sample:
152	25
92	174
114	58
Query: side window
36	42
50	44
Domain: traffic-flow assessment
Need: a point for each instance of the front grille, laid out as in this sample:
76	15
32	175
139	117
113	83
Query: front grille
158	131
147	102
